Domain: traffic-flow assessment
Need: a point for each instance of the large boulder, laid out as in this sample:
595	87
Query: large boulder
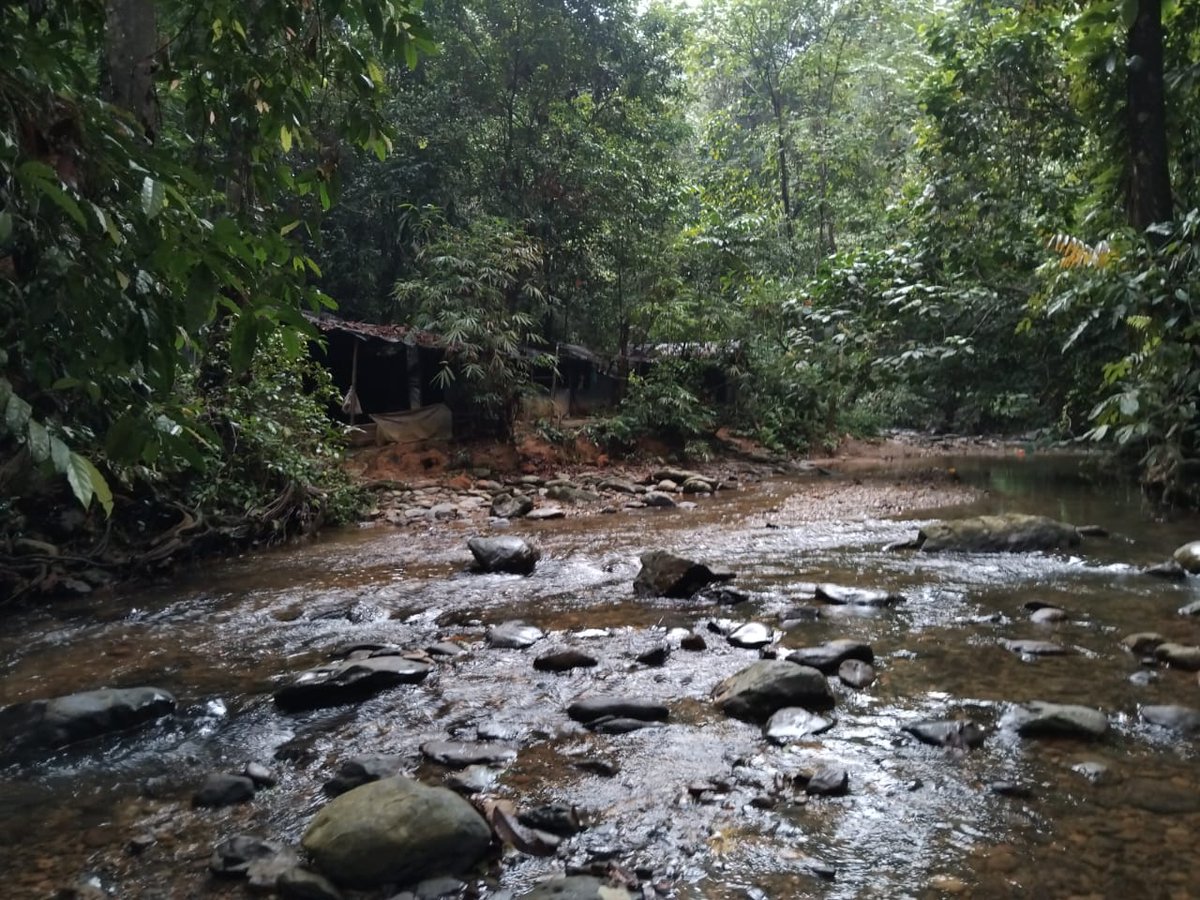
761	689
511	506
349	681
595	708
504	554
667	575
1188	556
77	717
828	657
1056	720
1008	533
395	831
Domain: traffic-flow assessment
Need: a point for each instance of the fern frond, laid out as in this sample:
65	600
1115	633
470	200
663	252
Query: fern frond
1076	253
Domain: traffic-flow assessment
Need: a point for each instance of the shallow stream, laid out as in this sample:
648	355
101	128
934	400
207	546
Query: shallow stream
685	806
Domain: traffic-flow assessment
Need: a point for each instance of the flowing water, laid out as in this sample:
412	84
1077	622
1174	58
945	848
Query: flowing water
918	821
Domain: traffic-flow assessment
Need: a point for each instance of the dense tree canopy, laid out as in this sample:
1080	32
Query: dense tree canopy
864	213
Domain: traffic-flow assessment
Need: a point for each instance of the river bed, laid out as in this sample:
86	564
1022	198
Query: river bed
1119	816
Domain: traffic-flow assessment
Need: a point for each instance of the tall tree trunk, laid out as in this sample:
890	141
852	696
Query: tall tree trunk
130	45
1150	177
781	141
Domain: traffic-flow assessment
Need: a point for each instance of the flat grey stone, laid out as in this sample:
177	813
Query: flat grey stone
514	635
794	724
1056	720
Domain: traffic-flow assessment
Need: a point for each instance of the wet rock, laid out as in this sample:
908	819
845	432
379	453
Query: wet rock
564	661
504	554
545	513
831	781
360	770
262	875
765	687
852	596
1092	531
300	884
1192	609
656	656
232	857
794	724
679	476
619	725
1036	648
472	780
224	790
350	681
1188	556
955	733
693	643
576	887
1046	615
1054	720
828	657
619	486
667	486
511	507
589	709
140	843
752	635
667	575
460	754
1142	643
78	717
724	595
697	486
446	648
395	831
260	775
856	673
567	493
1168	571
1178	656
1143	677
1184	719
514	635
555	818
1008	533
658	500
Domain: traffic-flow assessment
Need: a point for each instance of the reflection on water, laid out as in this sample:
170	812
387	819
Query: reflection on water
918	821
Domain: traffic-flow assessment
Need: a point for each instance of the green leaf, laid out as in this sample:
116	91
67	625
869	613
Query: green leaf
16	414
154	196
288	228
1129	11
38	441
87	482
60	454
61	199
285	138
243	341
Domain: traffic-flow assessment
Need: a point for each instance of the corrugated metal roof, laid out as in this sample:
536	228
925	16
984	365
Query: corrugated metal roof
393	334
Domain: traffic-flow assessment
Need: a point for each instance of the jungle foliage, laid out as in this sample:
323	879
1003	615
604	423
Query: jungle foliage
789	217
